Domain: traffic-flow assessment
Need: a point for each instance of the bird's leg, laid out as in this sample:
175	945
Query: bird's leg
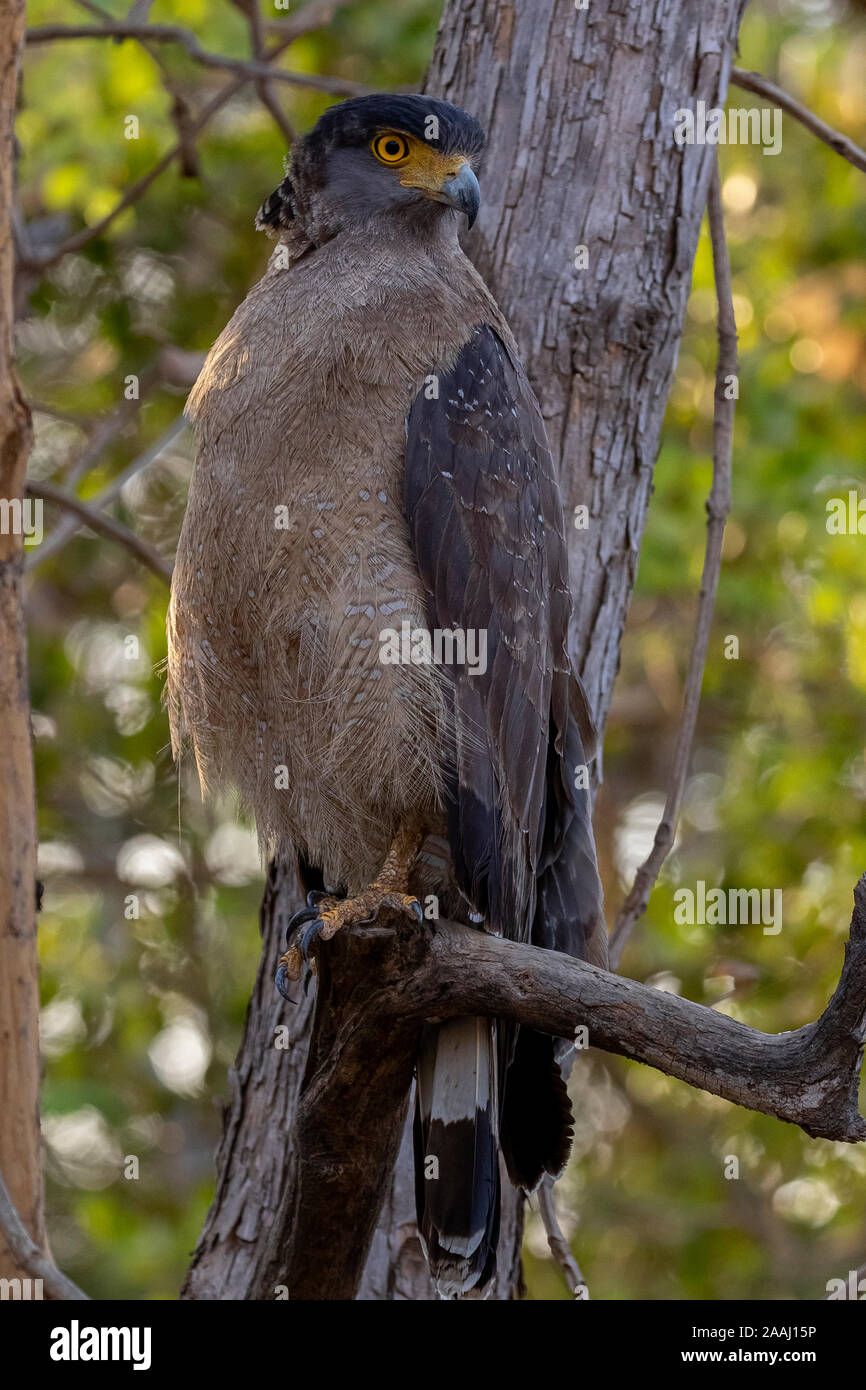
325	915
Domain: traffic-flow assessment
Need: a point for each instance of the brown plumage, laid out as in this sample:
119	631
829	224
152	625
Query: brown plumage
371	454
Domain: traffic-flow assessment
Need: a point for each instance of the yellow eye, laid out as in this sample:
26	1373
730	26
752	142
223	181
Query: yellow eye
390	148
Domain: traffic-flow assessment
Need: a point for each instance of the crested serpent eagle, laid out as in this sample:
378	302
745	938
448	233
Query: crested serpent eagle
372	460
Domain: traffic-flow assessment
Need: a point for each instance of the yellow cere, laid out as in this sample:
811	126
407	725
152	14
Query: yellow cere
420	164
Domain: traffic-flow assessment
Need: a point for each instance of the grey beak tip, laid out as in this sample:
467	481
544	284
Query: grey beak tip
463	193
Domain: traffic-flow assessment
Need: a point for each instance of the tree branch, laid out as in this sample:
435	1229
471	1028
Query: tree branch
718	506
762	87
266	94
314	15
102	524
172	33
67	528
559	1246
311	17
377	986
29	1256
808	1077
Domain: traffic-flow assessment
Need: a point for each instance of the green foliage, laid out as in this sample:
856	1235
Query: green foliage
776	794
142	1014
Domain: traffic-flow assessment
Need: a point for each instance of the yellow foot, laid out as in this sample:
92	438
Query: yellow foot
330	915
324	916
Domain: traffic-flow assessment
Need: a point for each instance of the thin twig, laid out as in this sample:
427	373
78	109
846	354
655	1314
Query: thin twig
270	100
28	1254
181	115
142	461
267	96
559	1246
109	427
762	87
718	506
103	525
314	15
135	191
311	17
67	528
173	33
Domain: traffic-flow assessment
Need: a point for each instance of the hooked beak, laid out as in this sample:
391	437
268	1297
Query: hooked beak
462	192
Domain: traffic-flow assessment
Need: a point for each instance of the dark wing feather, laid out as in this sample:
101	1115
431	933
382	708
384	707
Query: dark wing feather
486	524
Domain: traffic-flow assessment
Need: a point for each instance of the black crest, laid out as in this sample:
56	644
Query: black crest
355	122
278	209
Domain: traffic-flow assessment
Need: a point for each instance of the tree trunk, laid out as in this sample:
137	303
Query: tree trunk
20	1148
579	109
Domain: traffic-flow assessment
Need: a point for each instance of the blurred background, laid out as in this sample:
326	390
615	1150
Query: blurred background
148	936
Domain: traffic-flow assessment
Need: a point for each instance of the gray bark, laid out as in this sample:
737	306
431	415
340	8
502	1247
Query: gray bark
579	108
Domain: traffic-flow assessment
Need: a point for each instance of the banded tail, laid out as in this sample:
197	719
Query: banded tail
457	1153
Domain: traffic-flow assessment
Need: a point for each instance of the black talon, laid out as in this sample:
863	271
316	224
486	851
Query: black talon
309	935
315	896
281	980
306	914
417	911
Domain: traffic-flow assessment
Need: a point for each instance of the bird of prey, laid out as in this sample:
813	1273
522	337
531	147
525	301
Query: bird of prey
372	460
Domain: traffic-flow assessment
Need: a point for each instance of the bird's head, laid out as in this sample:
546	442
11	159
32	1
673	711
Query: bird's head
375	156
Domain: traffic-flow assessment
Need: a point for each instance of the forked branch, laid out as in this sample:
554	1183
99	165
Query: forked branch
378	986
28	1254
